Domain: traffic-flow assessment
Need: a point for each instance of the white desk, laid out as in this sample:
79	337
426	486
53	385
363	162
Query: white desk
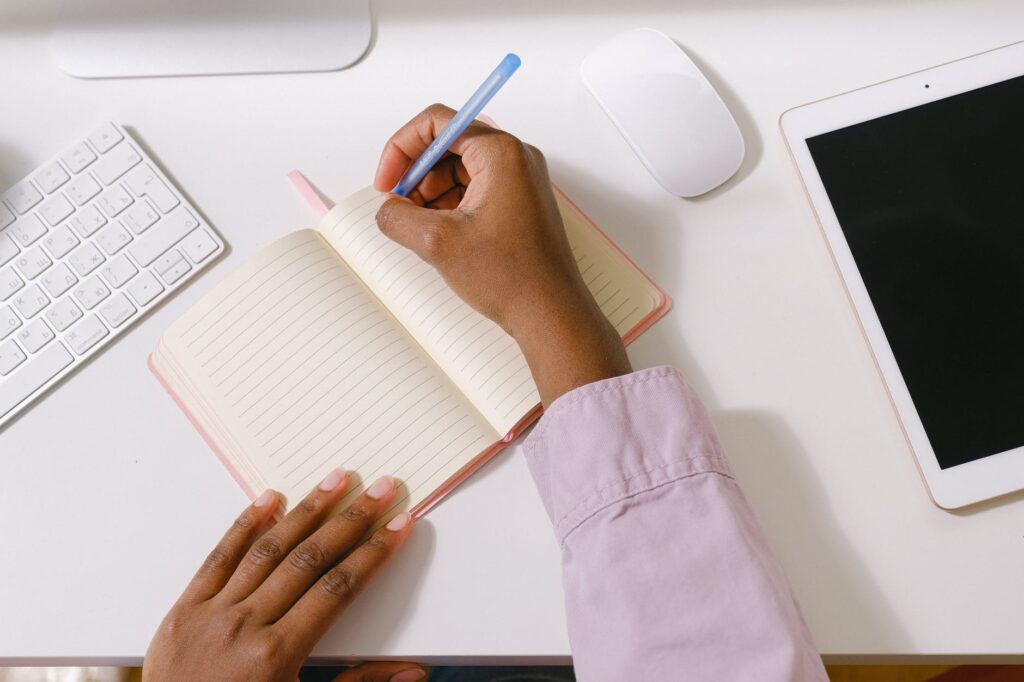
109	499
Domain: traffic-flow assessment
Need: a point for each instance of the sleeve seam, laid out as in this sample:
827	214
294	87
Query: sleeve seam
626	479
631	494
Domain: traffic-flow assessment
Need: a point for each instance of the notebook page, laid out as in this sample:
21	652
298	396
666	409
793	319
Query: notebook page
307	371
623	292
477	354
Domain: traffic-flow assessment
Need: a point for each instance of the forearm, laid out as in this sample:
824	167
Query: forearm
667	573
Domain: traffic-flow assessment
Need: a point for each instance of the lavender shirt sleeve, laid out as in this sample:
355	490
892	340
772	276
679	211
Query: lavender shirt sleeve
667	573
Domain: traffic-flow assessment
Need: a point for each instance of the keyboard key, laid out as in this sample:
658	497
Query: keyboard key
117	309
86	259
58	279
78	157
163	236
82	189
23	196
171	266
144	288
8	321
56	209
8	249
105	137
144	182
114	200
6	216
91	292
27	230
33	376
32	262
63	314
60	242
51	177
86	334
35	335
118	271
9	283
11	356
113	238
88	220
199	245
140	217
88	242
30	301
119	161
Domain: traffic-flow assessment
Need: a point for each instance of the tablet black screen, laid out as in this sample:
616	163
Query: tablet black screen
931	201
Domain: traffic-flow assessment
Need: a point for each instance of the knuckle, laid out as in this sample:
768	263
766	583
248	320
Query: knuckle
235	621
243	522
218	558
436	109
535	155
377	542
339	582
174	624
267	549
268	652
356	514
509	146
310	505
309	556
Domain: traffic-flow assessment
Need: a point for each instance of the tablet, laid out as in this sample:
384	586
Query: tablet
918	185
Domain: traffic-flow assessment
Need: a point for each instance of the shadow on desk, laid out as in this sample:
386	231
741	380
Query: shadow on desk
13	166
836	590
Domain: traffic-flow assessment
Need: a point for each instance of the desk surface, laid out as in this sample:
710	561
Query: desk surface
110	499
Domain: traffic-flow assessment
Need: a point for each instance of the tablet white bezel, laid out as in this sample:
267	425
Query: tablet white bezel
966	483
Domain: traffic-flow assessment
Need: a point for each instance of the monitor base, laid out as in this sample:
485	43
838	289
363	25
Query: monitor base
135	38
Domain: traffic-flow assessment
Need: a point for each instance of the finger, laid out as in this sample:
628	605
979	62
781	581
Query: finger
442	177
338	536
222	561
316	611
450	200
412	140
423	230
382	671
268	551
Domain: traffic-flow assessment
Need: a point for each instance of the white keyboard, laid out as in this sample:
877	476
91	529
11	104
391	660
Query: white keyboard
88	243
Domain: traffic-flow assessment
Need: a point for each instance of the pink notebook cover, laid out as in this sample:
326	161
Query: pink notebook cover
320	206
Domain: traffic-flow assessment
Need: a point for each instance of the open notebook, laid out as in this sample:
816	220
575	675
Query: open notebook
338	347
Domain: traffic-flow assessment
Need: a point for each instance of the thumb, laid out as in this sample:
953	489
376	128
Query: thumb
390	671
425	231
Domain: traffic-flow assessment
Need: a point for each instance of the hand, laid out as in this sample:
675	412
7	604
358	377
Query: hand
487	219
268	592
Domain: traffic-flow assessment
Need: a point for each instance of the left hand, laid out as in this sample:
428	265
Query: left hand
268	592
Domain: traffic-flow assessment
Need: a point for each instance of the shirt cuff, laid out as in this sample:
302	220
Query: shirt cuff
616	439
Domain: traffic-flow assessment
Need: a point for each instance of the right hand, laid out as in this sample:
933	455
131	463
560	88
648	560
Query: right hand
485	216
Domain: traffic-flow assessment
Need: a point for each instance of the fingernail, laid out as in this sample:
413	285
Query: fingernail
410	675
380	488
400	521
333	480
265	498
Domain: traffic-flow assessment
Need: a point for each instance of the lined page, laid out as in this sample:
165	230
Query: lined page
477	354
307	371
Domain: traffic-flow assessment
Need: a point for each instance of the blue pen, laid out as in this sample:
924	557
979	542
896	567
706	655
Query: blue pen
470	110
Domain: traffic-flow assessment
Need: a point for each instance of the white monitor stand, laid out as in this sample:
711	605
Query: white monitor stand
125	38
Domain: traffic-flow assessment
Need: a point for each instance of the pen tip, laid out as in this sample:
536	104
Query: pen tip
513	60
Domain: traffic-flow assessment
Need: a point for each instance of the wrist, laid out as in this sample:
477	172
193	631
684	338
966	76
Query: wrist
569	347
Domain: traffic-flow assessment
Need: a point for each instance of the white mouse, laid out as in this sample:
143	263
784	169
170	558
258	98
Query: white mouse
666	109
